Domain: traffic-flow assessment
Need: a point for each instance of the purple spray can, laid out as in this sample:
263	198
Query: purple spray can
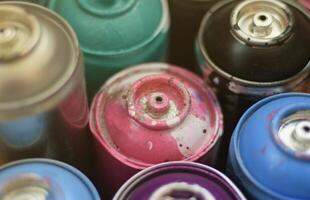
179	180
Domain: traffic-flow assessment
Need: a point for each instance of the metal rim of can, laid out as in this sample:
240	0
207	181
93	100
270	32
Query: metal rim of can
95	113
140	176
163	27
260	42
243	85
276	127
235	141
86	182
63	81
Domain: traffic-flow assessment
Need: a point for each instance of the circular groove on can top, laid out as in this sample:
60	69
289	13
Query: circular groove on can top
158	101
107	7
27	186
294	133
182	190
19	32
262	22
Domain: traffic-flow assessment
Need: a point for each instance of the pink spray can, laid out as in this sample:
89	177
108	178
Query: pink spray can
149	114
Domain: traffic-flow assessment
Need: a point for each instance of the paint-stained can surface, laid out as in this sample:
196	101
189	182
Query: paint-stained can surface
116	34
247	51
186	16
269	151
43	179
179	180
305	3
150	114
43	104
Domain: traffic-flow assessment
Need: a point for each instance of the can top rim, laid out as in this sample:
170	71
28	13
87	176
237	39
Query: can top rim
263	23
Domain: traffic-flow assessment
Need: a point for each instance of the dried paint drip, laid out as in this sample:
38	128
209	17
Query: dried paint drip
155	113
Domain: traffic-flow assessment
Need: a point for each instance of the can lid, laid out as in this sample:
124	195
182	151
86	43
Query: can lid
262	22
25	186
252	34
270	142
38	54
150	101
179	180
42	179
164	111
294	133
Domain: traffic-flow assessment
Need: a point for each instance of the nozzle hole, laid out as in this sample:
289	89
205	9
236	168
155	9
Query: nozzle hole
159	99
306	129
262	18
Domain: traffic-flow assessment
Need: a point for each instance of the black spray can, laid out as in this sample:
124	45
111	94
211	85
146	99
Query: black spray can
260	48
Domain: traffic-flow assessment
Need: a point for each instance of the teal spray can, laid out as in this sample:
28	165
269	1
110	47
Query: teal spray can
115	34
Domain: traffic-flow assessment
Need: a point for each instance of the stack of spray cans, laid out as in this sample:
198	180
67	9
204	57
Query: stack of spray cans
103	99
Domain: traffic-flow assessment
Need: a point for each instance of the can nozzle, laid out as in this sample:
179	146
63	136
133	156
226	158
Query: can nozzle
262	24
294	133
19	32
158	101
302	132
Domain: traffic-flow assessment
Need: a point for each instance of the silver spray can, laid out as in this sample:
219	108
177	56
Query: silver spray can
43	104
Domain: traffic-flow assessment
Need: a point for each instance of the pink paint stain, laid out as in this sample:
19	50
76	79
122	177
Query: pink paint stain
306	3
132	138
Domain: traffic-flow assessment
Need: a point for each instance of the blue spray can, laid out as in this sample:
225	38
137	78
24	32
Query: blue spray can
269	153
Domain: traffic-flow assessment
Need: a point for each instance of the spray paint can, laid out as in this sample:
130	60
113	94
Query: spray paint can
44	179
179	180
115	34
269	150
253	53
186	16
43	104
150	114
306	3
